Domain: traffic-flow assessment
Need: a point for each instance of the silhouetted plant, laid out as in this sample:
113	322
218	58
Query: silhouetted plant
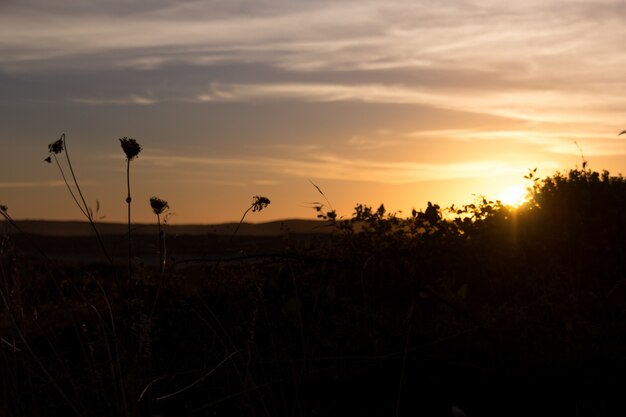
55	148
582	200
258	204
159	206
323	213
582	155
131	149
432	214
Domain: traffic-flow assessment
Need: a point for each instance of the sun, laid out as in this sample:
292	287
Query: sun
514	195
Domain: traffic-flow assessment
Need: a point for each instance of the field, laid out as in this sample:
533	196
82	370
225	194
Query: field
492	309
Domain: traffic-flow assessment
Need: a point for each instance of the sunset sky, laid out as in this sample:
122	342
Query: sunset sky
395	102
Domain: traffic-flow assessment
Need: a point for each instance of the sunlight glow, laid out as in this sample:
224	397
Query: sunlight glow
514	195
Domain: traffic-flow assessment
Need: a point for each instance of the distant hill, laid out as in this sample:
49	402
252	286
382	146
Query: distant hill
77	228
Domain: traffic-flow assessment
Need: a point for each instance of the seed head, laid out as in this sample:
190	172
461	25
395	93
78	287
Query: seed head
259	202
3	208
56	147
158	205
48	160
130	147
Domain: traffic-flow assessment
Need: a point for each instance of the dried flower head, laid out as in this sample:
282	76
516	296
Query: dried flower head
158	205
259	202
130	147
3	208
56	147
48	160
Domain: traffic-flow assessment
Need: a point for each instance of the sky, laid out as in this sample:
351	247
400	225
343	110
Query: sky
395	102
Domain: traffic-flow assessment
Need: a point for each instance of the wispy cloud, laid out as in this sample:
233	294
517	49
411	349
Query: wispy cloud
536	61
371	36
533	105
560	141
334	167
377	141
132	100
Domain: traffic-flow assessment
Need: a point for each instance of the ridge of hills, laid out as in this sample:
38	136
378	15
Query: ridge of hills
81	228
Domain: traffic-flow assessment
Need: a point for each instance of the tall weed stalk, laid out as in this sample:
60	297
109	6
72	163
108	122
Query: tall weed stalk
55	148
258	204
131	149
159	206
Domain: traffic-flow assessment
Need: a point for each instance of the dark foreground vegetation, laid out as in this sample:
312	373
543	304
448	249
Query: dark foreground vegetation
495	310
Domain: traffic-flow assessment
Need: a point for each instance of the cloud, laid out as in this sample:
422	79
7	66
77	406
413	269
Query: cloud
542	62
534	105
333	167
132	99
377	142
369	35
559	142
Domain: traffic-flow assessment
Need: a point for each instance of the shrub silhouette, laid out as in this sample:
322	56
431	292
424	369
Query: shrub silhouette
580	218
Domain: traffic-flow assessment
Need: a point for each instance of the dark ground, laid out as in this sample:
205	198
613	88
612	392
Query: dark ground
500	312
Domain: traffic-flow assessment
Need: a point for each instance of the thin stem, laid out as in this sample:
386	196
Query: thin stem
241	221
84	210
69	163
323	195
128	200
68	187
582	156
161	243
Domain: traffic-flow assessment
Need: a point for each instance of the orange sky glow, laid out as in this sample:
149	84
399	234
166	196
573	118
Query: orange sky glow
401	102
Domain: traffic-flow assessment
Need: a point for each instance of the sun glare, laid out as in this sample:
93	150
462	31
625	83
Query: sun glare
513	196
